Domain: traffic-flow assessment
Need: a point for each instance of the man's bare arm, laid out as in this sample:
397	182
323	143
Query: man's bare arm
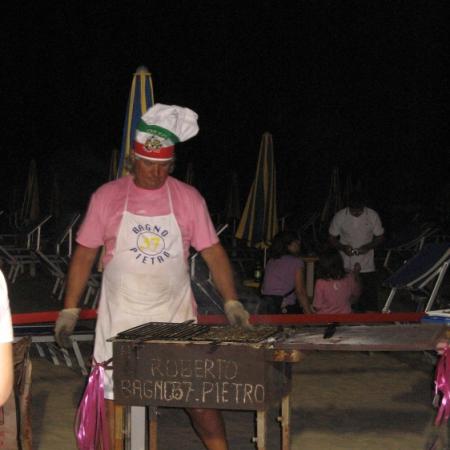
300	291
335	243
80	269
375	242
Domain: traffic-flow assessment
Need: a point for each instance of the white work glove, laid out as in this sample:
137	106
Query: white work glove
64	326
236	313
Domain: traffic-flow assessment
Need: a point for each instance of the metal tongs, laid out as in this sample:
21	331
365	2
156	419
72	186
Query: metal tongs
330	330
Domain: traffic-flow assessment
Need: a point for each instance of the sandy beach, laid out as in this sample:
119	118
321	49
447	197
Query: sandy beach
340	400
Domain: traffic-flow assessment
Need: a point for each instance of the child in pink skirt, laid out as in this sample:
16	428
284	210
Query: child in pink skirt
335	290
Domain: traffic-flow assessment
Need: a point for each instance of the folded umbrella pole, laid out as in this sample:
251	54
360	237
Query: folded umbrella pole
259	221
139	101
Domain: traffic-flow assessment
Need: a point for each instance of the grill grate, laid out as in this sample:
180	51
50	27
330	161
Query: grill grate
236	334
163	330
189	330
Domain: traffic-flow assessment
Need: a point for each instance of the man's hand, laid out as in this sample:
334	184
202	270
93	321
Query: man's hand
364	249
236	313
347	249
64	326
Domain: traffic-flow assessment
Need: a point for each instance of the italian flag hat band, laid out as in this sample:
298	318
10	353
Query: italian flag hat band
154	130
154	142
160	154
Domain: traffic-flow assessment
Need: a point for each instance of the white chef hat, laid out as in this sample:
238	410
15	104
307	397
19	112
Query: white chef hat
160	128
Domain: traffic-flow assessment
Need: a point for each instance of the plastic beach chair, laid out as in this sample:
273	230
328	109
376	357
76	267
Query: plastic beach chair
406	246
56	260
422	275
17	255
42	336
201	281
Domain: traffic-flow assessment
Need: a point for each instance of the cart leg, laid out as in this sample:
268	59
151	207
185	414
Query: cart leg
261	430
119	412
153	427
285	420
138	427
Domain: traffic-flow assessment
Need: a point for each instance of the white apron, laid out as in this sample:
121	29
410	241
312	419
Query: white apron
147	280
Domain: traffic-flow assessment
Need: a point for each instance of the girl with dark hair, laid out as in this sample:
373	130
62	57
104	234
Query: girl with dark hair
335	290
283	288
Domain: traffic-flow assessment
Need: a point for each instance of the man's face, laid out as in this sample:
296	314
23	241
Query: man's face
151	174
356	212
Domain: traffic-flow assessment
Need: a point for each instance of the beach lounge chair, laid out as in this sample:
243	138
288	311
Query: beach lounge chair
57	262
308	231
43	338
405	246
56	257
17	251
202	285
421	276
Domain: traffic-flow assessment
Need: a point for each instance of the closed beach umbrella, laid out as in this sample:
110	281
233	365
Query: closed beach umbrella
333	202
30	207
113	164
233	202
139	100
189	175
55	198
259	221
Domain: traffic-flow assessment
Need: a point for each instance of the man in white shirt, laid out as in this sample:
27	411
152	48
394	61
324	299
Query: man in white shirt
356	231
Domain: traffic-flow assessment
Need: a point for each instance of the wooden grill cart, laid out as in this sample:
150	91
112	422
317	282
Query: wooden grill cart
191	365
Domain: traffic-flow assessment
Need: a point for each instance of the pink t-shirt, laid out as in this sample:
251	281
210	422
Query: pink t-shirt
279	277
102	220
333	296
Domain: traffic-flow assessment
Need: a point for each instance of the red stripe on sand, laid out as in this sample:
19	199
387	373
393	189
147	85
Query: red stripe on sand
298	319
47	316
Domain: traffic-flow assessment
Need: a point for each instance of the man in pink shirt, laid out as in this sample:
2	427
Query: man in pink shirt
147	221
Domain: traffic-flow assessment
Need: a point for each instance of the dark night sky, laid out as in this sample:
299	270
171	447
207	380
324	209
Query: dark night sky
359	84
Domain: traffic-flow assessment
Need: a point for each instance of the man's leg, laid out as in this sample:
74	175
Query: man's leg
109	406
369	295
209	425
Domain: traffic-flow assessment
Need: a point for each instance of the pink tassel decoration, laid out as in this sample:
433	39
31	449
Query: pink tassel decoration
442	386
90	422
